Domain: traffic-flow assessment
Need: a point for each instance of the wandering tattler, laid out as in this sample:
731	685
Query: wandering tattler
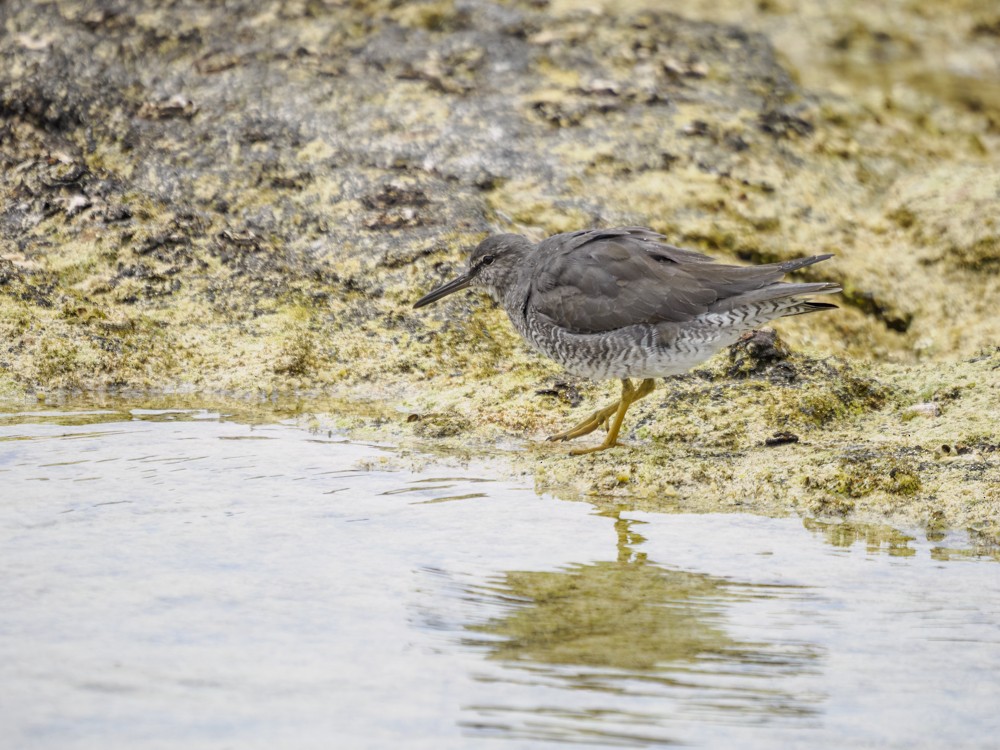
621	303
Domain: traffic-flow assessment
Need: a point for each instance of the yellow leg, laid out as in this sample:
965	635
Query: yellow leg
588	425
630	394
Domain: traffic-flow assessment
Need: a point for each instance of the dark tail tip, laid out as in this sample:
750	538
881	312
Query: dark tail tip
808	307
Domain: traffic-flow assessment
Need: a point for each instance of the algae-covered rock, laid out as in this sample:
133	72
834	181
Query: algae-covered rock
248	197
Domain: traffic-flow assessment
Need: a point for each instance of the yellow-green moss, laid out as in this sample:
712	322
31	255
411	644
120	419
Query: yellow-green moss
862	475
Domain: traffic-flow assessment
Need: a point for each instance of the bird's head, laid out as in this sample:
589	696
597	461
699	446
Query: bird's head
493	266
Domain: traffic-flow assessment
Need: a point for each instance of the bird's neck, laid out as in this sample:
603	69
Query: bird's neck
514	297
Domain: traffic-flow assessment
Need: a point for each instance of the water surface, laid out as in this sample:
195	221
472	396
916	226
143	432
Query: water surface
180	578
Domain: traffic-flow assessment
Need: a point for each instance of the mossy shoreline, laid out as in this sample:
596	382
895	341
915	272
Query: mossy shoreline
818	437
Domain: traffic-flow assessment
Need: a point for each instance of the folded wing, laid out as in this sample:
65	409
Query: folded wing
600	280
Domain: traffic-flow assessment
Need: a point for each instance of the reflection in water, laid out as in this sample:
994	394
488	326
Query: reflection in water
161	564
876	537
634	630
883	538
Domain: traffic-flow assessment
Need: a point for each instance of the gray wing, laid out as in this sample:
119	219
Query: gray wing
600	280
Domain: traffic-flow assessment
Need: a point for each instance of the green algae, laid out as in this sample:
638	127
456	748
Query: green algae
862	474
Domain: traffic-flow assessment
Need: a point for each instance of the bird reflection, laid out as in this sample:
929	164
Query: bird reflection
631	630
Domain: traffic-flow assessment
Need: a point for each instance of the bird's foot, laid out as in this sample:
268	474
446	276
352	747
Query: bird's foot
630	394
591	423
595	449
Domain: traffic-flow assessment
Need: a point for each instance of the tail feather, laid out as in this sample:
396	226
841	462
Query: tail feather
807	307
778	291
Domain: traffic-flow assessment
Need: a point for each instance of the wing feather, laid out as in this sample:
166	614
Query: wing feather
599	280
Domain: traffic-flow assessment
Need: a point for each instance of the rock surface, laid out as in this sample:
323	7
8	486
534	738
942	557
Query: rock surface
246	198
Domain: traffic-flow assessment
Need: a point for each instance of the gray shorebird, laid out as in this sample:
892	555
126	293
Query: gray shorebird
621	303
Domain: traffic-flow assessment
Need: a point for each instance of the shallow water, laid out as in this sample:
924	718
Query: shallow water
178	578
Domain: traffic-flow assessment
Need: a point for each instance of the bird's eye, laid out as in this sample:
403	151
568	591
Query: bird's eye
487	259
